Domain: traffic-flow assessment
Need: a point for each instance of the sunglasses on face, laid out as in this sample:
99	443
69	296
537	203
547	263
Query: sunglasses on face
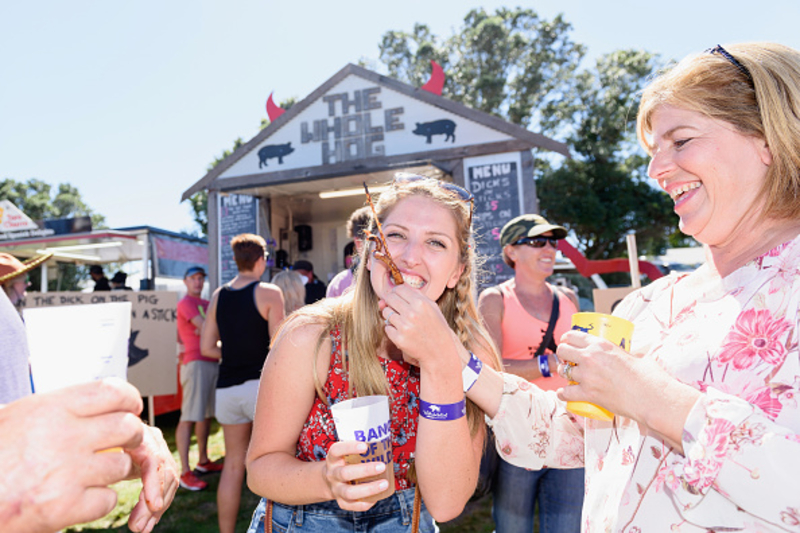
462	193
537	242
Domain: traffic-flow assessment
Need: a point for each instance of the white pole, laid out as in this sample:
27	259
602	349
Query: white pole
44	277
633	260
598	281
145	258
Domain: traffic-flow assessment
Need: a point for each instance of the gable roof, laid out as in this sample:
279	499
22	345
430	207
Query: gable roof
479	125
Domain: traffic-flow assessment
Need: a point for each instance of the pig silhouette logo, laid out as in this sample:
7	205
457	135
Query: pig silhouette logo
135	354
437	127
274	150
585	330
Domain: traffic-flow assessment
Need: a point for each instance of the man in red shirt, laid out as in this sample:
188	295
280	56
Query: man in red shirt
198	380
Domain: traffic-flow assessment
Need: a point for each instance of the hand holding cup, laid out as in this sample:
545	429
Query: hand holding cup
363	457
614	329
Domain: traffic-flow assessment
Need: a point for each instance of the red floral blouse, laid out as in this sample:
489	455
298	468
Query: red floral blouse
319	432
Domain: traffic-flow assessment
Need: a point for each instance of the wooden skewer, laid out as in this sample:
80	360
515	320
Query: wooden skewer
381	252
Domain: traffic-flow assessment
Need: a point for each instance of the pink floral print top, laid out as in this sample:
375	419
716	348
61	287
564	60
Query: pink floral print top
736	340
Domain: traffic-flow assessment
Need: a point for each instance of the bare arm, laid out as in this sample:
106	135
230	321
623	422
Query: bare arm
490	307
569	293
447	456
209	336
285	399
269	300
197	322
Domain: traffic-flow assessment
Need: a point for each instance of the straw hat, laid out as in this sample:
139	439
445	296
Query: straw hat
11	267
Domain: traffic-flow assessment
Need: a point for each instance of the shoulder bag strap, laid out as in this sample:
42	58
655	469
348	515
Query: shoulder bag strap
547	340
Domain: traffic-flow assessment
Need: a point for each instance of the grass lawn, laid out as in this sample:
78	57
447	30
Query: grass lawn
196	512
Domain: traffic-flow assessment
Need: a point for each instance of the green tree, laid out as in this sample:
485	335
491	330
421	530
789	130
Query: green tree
40	201
603	192
525	69
511	63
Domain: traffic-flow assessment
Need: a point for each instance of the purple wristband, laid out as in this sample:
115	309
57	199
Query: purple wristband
544	366
470	373
443	411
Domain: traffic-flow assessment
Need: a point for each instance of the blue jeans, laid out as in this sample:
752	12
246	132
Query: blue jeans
392	515
558	492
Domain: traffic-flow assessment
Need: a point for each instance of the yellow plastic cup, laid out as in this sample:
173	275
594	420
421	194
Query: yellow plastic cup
612	328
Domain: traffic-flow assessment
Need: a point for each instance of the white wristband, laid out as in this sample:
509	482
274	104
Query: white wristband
470	373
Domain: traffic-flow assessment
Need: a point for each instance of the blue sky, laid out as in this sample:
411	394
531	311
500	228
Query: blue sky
130	101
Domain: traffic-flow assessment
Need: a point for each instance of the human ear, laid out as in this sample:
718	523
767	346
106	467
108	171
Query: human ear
453	281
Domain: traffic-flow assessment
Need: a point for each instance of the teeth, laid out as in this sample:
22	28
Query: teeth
674	194
414	281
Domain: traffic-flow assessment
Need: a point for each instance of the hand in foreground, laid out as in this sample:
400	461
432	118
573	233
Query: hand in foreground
153	461
338	475
53	476
415	324
633	387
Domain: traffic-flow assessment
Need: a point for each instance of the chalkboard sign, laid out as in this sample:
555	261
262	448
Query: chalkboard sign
497	200
238	213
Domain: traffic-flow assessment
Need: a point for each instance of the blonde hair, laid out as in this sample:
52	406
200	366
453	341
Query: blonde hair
358	314
765	104
294	291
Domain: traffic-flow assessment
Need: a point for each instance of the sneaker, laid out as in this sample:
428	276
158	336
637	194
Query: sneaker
209	467
190	482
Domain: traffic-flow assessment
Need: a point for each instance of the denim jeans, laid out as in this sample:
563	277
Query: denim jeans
558	492
392	515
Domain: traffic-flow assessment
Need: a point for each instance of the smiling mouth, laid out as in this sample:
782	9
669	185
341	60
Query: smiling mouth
415	282
680	191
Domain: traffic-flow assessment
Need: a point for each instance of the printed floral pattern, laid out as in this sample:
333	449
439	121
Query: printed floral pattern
756	337
319	432
735	339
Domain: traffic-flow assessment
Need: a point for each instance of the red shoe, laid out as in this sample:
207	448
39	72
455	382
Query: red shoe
209	467
190	482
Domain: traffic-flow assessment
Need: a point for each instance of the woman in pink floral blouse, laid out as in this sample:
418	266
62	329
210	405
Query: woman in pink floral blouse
707	432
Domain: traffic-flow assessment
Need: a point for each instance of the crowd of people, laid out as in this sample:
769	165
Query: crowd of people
706	427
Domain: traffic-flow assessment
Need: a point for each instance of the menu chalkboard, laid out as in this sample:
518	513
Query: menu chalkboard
497	200
238	213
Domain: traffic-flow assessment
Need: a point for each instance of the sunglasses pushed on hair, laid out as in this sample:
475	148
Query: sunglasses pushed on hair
732	60
537	242
401	178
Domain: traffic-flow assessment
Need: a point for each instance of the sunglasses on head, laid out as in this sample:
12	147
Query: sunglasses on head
460	192
732	60
537	242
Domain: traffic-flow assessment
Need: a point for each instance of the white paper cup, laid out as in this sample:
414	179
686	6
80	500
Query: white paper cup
367	419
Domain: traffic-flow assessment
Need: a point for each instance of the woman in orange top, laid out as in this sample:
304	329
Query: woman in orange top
517	314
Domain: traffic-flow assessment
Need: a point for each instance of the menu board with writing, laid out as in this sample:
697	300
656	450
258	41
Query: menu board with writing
497	200
151	348
238	213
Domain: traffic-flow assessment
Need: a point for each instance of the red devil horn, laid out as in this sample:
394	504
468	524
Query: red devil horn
436	82
273	111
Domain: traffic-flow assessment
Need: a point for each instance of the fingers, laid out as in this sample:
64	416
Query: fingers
91	504
354	497
104	396
113	430
351	484
106	468
142	519
158	470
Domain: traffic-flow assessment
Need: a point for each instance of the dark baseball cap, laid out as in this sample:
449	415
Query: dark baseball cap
302	264
191	271
528	226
